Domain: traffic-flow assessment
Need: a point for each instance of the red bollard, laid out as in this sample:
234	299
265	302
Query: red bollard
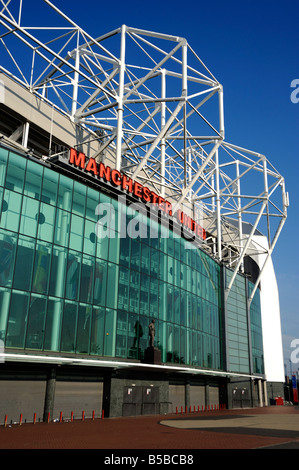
34	418
72	416
21	419
60	417
83	415
93	414
102	414
48	417
5	421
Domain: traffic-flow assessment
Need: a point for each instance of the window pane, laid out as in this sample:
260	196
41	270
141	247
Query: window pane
58	269
3	165
8	244
65	191
62	229
69	327
42	264
29	217
92	201
76	234
24	263
53	324
100	282
112	285
72	276
5	295
83	330
33	180
17	320
89	246
36	322
11	210
50	184
15	173
97	331
87	274
79	199
46	222
109	337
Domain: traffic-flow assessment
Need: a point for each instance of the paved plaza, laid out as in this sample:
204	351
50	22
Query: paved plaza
275	427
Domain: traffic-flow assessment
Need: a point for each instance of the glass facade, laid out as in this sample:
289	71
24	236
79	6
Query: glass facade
71	282
239	351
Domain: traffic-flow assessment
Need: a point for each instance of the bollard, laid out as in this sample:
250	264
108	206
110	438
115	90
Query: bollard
83	415
48	417
34	418
93	414
102	414
21	419
72	416
5	421
60	417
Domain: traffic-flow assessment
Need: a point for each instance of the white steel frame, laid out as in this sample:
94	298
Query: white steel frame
150	99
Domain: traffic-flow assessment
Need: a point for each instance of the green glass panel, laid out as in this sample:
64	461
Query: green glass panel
154	298
92	201
144	294
83	329
124	254
110	329
33	180
11	210
5	295
134	291
15	174
58	270
100	281
112	285
29	217
87	279
50	185
79	199
76	233
46	222
121	334
89	242
17	319
36	322
97	331
3	165
62	228
114	249
65	191
41	273
72	276
123	288
8	244
102	247
53	324
24	263
68	332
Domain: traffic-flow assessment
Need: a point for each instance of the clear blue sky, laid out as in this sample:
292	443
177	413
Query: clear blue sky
252	47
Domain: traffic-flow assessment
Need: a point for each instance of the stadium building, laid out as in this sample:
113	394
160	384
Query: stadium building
123	207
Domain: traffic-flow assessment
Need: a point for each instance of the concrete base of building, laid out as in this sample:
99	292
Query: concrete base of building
53	392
